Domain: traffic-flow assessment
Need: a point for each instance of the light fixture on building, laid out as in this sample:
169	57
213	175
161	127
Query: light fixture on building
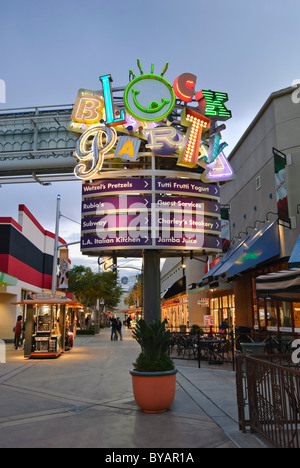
267	215
258	221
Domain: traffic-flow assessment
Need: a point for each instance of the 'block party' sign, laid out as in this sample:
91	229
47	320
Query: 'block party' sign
109	132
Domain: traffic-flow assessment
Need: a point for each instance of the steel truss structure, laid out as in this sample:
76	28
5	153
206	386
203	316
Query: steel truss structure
35	146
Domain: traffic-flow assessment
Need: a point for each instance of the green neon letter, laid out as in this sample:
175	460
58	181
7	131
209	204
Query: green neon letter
215	106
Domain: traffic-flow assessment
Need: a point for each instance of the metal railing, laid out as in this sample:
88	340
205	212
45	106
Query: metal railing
214	348
268	397
219	348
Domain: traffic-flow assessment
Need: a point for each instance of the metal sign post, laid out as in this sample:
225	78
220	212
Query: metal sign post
54	270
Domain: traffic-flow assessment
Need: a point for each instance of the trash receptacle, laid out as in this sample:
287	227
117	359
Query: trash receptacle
243	335
253	348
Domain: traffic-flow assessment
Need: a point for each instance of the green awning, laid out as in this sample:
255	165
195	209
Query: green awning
7	280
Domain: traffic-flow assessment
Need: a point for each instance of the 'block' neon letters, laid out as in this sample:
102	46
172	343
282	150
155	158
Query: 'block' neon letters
184	86
111	120
215	106
88	108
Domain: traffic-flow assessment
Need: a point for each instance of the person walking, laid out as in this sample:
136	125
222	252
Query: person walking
119	328
224	327
23	334
18	332
113	329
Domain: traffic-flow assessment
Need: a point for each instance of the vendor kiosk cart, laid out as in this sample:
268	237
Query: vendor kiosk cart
46	330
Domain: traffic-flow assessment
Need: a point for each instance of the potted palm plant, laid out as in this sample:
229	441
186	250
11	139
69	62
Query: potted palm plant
154	377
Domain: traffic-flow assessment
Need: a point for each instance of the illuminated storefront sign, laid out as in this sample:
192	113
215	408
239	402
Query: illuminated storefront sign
149	100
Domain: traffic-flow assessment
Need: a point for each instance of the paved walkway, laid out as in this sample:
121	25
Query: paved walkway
84	399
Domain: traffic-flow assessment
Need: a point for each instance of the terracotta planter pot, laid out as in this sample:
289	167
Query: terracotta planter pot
154	392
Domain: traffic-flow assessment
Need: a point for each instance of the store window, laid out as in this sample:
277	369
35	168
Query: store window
261	313
285	310
214	311
297	316
276	315
222	308
255	317
43	322
272	320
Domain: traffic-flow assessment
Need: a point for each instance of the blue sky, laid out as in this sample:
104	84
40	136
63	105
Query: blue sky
48	50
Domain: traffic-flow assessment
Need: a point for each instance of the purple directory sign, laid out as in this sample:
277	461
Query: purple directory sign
108	187
188	205
126	214
190	241
96	242
187	187
176	221
113	204
115	222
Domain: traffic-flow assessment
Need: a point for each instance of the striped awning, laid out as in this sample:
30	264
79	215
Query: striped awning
283	285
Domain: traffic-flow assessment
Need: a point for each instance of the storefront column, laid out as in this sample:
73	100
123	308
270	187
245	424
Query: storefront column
151	277
62	325
29	330
243	301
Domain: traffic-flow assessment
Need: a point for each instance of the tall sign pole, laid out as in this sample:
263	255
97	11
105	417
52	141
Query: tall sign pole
151	290
54	270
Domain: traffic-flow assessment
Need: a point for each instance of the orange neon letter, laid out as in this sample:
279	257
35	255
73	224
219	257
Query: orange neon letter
184	86
195	123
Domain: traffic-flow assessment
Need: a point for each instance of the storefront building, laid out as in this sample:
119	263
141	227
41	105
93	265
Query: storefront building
174	298
184	304
175	311
263	201
26	262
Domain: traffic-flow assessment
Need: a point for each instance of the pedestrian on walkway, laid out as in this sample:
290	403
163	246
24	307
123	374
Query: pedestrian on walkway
119	328
224	326
23	334
113	329
18	332
128	321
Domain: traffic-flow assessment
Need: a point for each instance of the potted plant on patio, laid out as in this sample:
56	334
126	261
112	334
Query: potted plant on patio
154	378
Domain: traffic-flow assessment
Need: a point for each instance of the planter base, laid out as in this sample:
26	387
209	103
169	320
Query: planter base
154	392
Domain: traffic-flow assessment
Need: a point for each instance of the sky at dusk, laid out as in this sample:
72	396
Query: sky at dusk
48	50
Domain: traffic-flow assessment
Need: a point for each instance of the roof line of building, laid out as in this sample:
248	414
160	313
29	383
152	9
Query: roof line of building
270	99
23	208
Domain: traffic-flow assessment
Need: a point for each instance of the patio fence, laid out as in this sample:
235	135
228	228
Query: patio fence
268	396
218	348
215	349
